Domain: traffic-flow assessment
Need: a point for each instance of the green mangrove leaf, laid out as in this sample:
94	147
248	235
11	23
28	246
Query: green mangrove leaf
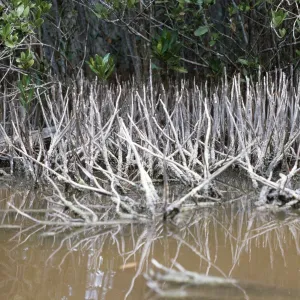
102	66
243	61
38	22
282	32
155	67
30	63
201	30
179	69
212	43
131	3
26	12
6	31
159	47
10	43
106	58
20	10
278	17
166	46
101	11
26	60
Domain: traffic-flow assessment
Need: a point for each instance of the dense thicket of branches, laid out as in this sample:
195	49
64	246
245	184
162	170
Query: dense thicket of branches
197	37
55	123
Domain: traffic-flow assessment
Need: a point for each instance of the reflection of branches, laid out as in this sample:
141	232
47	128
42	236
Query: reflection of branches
144	256
200	239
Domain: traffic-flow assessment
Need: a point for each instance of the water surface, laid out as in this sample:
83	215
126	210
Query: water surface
260	250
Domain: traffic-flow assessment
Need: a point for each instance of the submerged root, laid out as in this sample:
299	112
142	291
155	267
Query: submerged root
183	276
177	283
280	194
271	198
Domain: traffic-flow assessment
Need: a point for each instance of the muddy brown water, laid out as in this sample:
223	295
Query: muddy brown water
260	250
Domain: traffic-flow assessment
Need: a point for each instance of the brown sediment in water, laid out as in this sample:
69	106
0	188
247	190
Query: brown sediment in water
259	250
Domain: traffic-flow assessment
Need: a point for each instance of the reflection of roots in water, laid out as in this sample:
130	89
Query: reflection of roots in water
200	235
